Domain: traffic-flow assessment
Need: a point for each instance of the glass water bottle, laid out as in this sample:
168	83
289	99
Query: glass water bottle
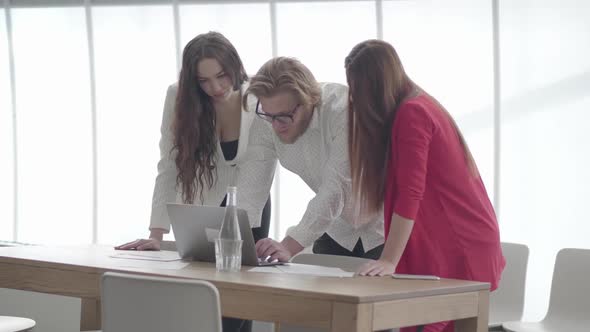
228	247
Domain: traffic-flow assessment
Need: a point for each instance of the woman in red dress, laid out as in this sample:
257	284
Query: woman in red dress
409	158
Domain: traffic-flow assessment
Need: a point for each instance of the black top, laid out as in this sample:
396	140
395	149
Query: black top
230	149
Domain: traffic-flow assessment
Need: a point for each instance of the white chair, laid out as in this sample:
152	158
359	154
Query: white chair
258	326
16	324
134	303
507	302
569	304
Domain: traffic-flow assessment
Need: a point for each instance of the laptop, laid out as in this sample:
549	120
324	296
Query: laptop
196	227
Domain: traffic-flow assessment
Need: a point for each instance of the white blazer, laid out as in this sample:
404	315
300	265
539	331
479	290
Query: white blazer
165	189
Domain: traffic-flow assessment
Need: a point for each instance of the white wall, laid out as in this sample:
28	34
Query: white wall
52	313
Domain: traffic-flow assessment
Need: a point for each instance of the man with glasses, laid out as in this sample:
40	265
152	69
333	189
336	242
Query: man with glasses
303	124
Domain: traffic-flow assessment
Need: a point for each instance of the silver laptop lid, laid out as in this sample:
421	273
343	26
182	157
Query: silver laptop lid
196	227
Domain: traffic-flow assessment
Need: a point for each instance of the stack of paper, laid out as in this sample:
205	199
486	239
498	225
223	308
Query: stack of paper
167	260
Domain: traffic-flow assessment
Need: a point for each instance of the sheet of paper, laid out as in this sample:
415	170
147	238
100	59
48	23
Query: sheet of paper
148	255
265	269
144	264
314	270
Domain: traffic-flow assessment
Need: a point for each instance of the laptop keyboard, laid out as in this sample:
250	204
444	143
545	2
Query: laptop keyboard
265	262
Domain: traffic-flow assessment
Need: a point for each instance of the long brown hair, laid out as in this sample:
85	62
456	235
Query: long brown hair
378	84
195	138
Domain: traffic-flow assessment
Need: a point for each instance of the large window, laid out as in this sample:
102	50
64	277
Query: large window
135	63
6	138
545	160
54	140
446	47
247	26
320	42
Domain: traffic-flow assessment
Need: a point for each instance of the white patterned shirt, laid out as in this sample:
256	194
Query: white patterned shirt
320	157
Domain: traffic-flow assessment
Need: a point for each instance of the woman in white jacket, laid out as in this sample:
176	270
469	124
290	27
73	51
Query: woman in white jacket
204	135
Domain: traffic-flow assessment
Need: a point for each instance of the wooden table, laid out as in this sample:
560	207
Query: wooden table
338	304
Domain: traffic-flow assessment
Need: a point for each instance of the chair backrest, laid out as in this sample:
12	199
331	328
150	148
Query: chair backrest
347	263
570	294
149	304
507	302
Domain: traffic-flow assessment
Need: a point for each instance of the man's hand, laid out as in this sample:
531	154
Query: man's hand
377	268
271	250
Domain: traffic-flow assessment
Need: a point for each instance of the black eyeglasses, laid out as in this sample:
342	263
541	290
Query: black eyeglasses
282	118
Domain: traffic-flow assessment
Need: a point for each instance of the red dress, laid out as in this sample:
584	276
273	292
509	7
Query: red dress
455	233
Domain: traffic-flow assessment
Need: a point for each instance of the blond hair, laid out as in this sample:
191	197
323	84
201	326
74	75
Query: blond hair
284	74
